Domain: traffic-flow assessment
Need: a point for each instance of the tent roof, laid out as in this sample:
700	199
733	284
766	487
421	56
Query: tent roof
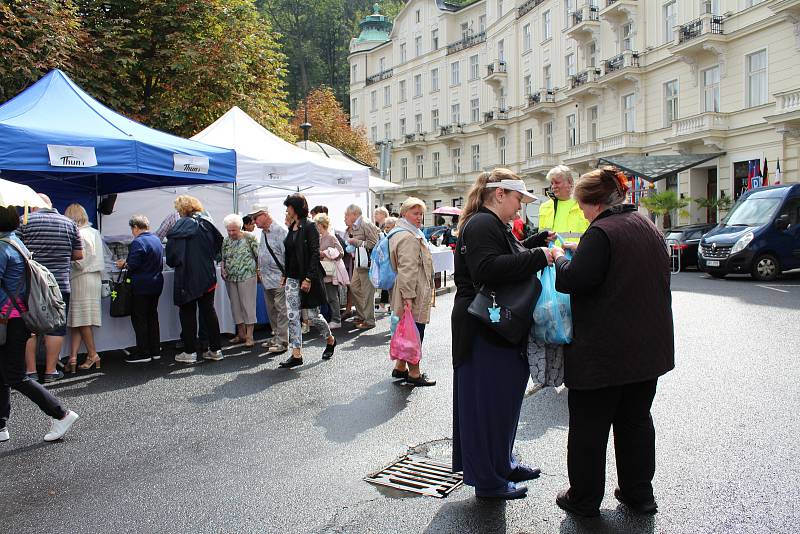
266	160
653	168
56	112
376	183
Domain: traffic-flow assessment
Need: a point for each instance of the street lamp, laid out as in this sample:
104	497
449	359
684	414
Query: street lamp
306	126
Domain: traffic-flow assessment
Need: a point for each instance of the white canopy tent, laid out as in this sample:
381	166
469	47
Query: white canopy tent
268	169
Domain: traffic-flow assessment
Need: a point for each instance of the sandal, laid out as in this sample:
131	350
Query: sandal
71	366
89	362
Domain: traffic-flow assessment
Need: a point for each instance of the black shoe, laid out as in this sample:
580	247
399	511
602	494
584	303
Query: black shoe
641	507
396	373
420	381
138	359
291	362
524	472
49	378
511	491
327	354
563	502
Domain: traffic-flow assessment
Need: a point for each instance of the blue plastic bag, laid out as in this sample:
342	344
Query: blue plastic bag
552	315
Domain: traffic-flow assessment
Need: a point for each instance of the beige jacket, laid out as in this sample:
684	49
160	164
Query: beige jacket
413	264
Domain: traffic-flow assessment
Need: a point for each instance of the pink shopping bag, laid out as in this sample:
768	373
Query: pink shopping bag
405	344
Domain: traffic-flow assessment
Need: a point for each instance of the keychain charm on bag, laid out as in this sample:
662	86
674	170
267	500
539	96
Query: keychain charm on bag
494	311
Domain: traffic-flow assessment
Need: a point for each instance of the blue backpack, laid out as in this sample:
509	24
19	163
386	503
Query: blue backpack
381	274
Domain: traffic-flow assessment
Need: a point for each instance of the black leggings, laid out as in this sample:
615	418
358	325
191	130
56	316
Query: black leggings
208	317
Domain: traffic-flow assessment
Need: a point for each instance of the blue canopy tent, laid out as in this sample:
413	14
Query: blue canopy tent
58	140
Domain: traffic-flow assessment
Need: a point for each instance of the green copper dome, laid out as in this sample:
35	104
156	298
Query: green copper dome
375	27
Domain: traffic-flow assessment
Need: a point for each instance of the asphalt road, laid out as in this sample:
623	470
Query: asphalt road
241	446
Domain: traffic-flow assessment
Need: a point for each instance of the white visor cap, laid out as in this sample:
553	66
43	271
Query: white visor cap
514	185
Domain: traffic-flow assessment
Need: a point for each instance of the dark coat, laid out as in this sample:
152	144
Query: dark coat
619	282
193	245
145	264
307	255
488	253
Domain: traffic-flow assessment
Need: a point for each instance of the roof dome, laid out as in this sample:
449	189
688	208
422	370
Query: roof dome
375	27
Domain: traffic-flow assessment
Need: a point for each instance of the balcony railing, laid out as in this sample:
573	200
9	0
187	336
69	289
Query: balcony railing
583	77
498	66
450	129
590	14
413	137
699	124
694	29
541	96
383	75
466	42
495	115
621	61
788	101
527	6
620	141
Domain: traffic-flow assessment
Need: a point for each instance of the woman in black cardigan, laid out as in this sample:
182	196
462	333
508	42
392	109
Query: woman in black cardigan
303	279
490	374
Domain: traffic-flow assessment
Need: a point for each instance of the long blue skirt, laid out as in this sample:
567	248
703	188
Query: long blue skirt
487	398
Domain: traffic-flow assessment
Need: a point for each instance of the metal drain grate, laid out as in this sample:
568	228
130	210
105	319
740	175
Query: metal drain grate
418	474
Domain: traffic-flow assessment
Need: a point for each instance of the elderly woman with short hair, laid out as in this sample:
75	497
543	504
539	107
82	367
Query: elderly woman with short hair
240	272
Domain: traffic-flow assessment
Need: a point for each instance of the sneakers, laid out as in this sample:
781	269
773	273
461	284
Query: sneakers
138	359
334	325
49	378
33	376
59	427
213	355
156	357
4	434
186	358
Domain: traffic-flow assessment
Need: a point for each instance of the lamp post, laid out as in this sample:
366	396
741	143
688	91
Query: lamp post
306	126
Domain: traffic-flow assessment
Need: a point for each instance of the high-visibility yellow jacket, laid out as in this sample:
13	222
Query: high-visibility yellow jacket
576	222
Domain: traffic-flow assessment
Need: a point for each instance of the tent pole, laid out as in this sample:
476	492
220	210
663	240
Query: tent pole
235	197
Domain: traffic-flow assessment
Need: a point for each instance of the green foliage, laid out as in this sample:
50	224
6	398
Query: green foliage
664	202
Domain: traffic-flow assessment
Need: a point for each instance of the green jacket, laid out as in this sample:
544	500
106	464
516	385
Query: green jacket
576	222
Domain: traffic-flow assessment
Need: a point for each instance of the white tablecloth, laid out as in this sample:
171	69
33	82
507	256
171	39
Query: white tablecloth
442	260
117	332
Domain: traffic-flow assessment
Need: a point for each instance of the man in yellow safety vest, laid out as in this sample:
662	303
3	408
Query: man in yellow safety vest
562	214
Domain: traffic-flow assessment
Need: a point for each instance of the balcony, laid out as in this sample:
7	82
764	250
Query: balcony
581	153
621	67
619	11
413	141
709	128
467	42
585	84
698	37
541	103
621	143
585	24
453	181
527	7
495	119
786	118
450	134
540	164
496	72
383	75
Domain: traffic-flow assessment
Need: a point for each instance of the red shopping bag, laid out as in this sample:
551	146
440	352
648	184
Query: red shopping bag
405	344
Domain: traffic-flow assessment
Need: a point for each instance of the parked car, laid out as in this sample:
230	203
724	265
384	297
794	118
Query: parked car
759	236
431	230
684	242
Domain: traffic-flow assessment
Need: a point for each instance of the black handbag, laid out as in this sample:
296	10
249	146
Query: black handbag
508	308
121	295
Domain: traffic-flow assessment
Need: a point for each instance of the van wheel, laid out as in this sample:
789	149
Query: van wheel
766	268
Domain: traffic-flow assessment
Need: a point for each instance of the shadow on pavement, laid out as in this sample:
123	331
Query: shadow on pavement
469	515
542	411
377	405
246	384
617	521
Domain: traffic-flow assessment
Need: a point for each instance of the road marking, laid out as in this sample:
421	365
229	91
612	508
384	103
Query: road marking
774	289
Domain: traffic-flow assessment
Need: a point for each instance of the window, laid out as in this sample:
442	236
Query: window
548	137
418	123
354	107
501	99
387	96
715	7
455	114
526	38
419	16
711	89
670	102
499	8
628	114
404	168
476	158
627	37
593	123
373	132
354	74
482	23
572	131
474	67
475	110
751	3
570	61
670	20
526	84
418	46
456	160
546	25
454	73
529	143
417	85
501	148
591	54
501	51
402	52
434	119
373	101
465	30
402	126
569	8
420	166
434	80
435	157
387	130
382	64
757	78
547	78
402	90
435	39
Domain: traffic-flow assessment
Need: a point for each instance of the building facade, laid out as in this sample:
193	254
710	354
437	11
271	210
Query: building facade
446	91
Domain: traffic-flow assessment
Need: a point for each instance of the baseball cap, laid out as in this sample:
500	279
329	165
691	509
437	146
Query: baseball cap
514	185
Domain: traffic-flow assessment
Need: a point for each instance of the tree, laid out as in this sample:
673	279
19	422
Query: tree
664	203
331	125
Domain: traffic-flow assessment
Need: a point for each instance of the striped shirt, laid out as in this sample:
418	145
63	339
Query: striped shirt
52	238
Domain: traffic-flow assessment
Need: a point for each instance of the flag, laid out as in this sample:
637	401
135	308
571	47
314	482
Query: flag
750	170
757	173
778	174
764	175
